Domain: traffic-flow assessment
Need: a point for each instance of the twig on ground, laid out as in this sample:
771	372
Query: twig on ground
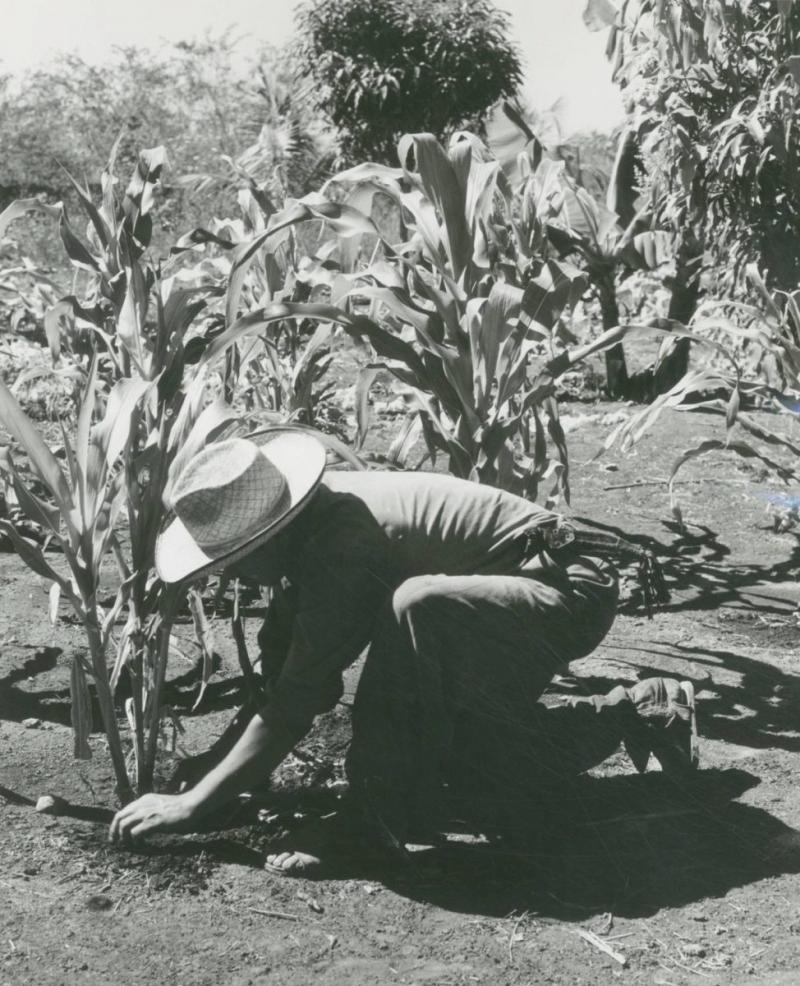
597	942
513	936
283	915
686	968
81	870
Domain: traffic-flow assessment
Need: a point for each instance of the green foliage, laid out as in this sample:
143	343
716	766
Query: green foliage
741	335
466	314
606	240
204	100
383	68
136	324
712	90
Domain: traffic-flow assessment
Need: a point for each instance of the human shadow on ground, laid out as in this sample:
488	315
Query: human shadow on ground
699	573
629	845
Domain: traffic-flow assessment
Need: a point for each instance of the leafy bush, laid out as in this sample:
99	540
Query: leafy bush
383	68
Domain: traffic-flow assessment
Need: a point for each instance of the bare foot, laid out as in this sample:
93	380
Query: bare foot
293	863
321	846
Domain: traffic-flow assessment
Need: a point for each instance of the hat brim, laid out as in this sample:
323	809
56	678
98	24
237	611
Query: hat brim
300	458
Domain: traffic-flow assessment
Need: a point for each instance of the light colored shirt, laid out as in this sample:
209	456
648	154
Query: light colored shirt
362	535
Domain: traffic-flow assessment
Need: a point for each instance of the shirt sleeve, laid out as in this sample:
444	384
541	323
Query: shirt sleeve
342	584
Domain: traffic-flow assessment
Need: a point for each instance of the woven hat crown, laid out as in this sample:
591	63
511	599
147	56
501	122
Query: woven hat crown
228	494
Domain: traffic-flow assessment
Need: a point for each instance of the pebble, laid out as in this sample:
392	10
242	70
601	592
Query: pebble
50	804
32	723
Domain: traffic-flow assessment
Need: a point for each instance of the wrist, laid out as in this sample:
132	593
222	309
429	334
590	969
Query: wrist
193	802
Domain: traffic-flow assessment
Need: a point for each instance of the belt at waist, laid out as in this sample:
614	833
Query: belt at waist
561	539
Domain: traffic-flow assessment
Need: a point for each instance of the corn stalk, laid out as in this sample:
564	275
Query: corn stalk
80	515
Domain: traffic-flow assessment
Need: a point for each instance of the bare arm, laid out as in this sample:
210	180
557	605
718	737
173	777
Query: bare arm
259	750
255	755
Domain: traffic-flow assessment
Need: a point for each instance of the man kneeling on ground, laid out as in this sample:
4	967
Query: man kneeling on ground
467	600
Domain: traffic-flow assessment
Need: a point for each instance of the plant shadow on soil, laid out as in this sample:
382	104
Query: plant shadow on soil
53	704
699	572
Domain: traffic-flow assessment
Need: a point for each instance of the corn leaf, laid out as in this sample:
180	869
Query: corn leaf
80	711
54	598
78	253
110	436
343	219
423	155
333	444
34	557
740	448
488	335
97	221
21	207
364	380
86	489
131	322
205	641
43	463
404	441
217	417
35	509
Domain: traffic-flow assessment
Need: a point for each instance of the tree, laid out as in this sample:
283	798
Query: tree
711	88
383	68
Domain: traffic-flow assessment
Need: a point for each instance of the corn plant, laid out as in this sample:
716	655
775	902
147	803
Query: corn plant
137	322
742	336
272	254
467	314
84	505
144	331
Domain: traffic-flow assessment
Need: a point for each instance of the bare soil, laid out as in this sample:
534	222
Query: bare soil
693	884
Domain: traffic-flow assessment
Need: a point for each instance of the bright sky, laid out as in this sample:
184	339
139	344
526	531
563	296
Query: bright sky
563	60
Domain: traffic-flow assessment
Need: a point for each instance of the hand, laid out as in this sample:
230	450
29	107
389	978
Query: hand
151	813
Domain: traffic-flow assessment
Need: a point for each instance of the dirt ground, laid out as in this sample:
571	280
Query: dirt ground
689	885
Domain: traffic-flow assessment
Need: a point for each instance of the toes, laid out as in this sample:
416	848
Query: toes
292	862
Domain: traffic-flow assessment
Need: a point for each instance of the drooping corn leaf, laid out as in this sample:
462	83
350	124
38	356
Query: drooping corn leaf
216	418
80	710
21	207
110	435
277	426
342	219
98	222
43	463
34	557
132	318
80	255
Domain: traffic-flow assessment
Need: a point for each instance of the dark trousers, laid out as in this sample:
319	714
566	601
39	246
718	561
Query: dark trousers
455	672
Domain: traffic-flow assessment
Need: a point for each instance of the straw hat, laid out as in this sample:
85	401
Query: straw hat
233	496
